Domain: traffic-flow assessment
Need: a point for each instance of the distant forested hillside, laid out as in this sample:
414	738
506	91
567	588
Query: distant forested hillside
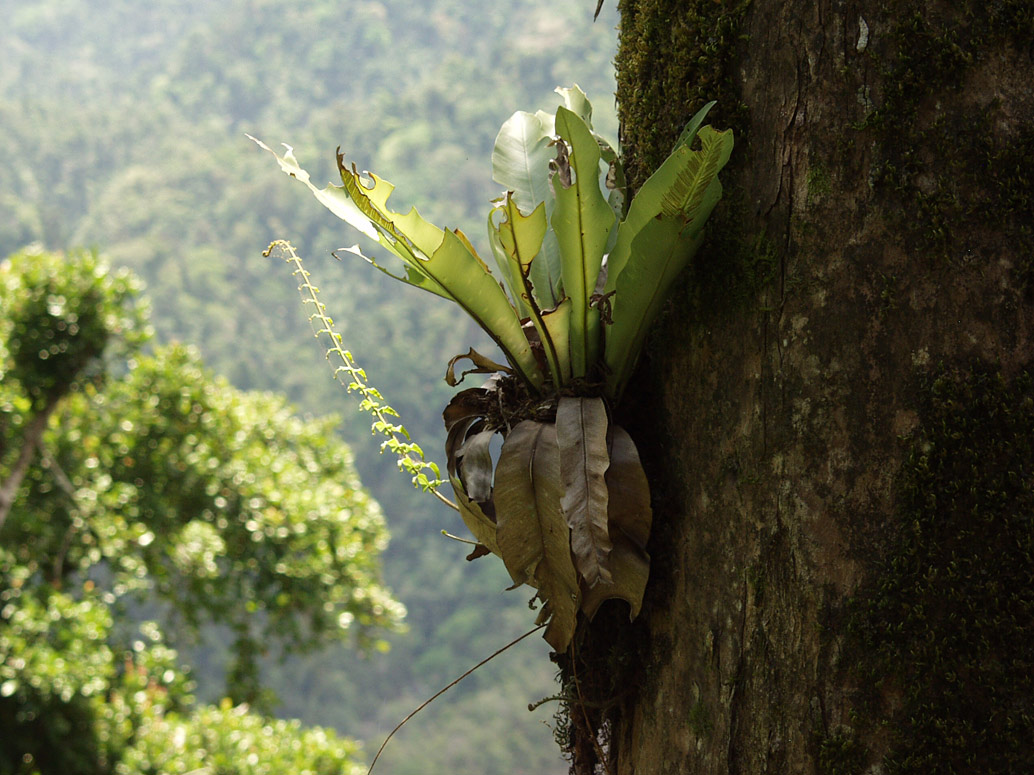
123	126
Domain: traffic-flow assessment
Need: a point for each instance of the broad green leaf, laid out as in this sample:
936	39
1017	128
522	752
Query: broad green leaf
690	132
361	208
474	517
521	236
372	202
510	272
641	293
440	261
582	220
581	426
663	230
532	532
612	177
334	198
474	288
521	156
557	323
518	240
694	183
615	184
520	163
576	101
412	276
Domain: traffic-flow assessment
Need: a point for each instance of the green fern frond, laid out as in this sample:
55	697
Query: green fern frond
691	182
359	194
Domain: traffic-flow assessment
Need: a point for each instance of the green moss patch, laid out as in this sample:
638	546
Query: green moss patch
942	639
840	753
673	58
949	155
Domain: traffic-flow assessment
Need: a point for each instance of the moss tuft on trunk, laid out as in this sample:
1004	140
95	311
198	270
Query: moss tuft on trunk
940	636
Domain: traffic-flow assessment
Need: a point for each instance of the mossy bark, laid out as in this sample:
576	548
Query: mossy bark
830	510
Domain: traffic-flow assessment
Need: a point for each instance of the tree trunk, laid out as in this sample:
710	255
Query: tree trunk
837	411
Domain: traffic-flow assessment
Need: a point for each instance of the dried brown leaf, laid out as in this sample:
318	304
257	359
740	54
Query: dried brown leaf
629	521
474	463
481	526
630	569
629	508
482	365
532	532
478	551
455	439
581	425
472	402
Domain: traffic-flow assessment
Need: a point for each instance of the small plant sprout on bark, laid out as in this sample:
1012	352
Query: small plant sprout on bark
582	274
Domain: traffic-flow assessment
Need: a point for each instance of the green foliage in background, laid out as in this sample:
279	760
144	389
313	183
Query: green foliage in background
124	128
73	703
152	485
59	322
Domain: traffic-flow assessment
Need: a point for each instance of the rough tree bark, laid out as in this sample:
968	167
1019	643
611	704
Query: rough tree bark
837	410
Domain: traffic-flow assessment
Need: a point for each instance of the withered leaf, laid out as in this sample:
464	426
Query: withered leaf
532	532
481	526
472	402
560	167
544	613
482	365
463	416
581	426
478	551
474	459
629	524
455	439
630	569
628	488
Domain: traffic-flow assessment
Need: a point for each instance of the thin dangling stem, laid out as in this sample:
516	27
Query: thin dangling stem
444	689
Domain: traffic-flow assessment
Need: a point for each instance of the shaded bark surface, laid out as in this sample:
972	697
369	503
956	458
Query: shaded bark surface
875	242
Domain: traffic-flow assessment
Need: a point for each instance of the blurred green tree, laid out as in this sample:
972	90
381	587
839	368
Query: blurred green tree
136	482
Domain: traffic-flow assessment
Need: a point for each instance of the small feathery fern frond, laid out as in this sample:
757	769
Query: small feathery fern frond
698	175
425	473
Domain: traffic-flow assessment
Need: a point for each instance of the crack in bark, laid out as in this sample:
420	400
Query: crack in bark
734	697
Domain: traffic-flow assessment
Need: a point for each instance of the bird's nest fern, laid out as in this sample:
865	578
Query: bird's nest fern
584	273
